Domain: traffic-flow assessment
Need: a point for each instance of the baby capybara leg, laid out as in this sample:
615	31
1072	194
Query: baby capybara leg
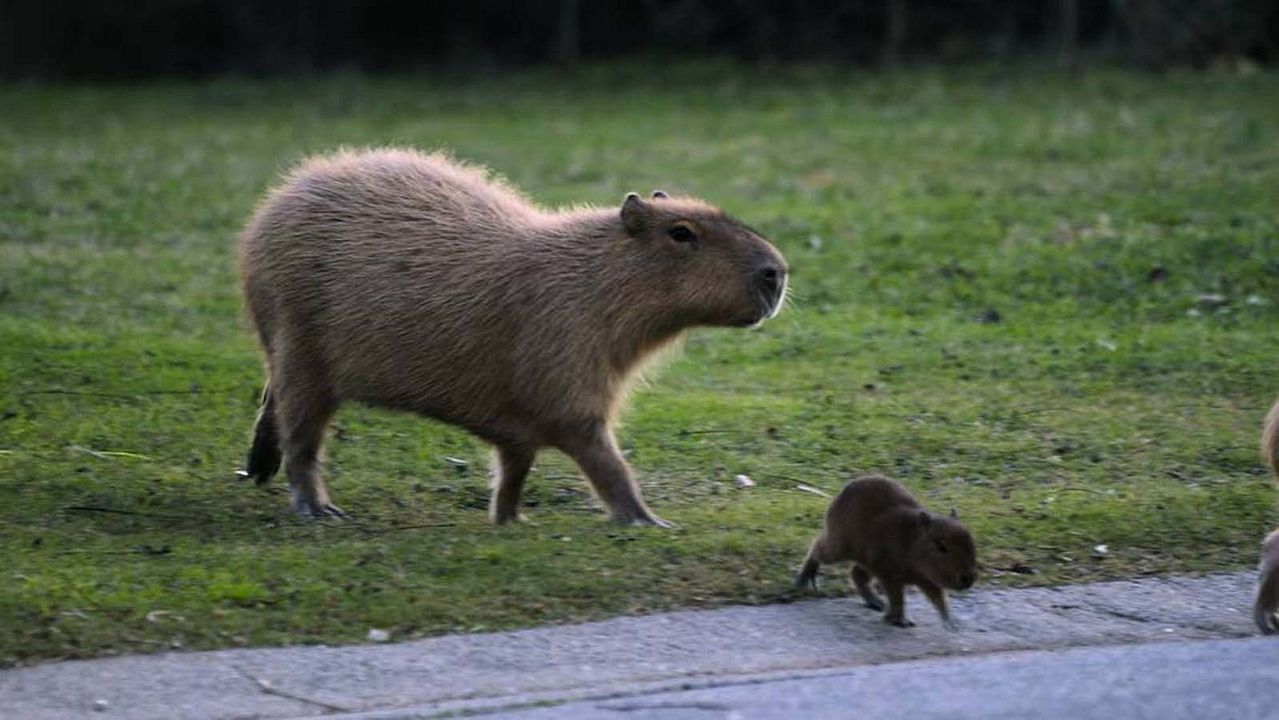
595	452
861	580
937	596
896	614
512	463
264	456
1265	608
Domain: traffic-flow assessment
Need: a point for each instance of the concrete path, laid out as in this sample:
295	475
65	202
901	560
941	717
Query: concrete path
1194	680
624	657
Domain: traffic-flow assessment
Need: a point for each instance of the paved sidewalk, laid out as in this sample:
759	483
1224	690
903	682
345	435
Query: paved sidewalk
1190	680
620	657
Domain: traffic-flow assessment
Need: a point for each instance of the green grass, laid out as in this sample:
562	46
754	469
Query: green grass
1103	407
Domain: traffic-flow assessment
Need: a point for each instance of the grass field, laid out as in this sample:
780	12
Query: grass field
999	282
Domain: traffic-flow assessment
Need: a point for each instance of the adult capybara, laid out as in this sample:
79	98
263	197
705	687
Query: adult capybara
1265	607
406	280
878	525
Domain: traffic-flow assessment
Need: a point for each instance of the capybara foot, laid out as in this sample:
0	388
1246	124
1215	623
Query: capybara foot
874	603
646	519
316	510
505	519
900	621
1267	621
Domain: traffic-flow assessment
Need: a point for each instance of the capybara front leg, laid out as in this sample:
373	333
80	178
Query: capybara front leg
597	455
896	614
512	463
937	596
861	581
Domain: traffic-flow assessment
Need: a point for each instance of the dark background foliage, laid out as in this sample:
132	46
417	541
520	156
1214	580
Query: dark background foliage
91	39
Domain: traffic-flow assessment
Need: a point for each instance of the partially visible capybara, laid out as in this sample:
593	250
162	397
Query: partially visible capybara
405	280
1265	608
878	525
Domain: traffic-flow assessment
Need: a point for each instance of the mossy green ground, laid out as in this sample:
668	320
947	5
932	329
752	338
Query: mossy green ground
997	281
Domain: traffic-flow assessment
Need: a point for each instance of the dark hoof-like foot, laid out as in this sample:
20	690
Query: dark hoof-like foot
320	511
874	603
643	520
506	517
900	622
1267	622
805	583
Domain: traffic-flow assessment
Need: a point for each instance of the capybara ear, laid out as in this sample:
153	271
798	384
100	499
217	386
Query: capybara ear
634	214
925	520
954	515
660	194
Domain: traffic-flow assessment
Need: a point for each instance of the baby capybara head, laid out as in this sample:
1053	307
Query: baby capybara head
711	268
944	551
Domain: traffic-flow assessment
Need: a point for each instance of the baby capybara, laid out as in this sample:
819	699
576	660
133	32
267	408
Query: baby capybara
878	525
404	280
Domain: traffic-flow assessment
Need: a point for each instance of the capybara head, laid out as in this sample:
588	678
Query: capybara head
711	268
944	551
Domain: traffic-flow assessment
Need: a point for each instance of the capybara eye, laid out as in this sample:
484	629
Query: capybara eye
681	233
941	547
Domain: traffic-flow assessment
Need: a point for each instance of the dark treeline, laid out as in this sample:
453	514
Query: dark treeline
94	39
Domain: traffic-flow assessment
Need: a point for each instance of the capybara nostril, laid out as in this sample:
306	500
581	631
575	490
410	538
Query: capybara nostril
769	278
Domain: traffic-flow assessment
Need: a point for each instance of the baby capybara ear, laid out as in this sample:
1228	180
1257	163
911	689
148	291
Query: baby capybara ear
925	520
660	194
634	214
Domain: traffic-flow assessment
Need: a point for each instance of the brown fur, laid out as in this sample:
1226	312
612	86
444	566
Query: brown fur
878	525
405	280
1265	608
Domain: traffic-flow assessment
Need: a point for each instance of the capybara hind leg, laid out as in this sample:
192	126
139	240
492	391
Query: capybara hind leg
861	581
937	596
302	418
896	614
512	465
596	453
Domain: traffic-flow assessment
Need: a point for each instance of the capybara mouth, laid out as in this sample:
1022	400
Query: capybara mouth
769	306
